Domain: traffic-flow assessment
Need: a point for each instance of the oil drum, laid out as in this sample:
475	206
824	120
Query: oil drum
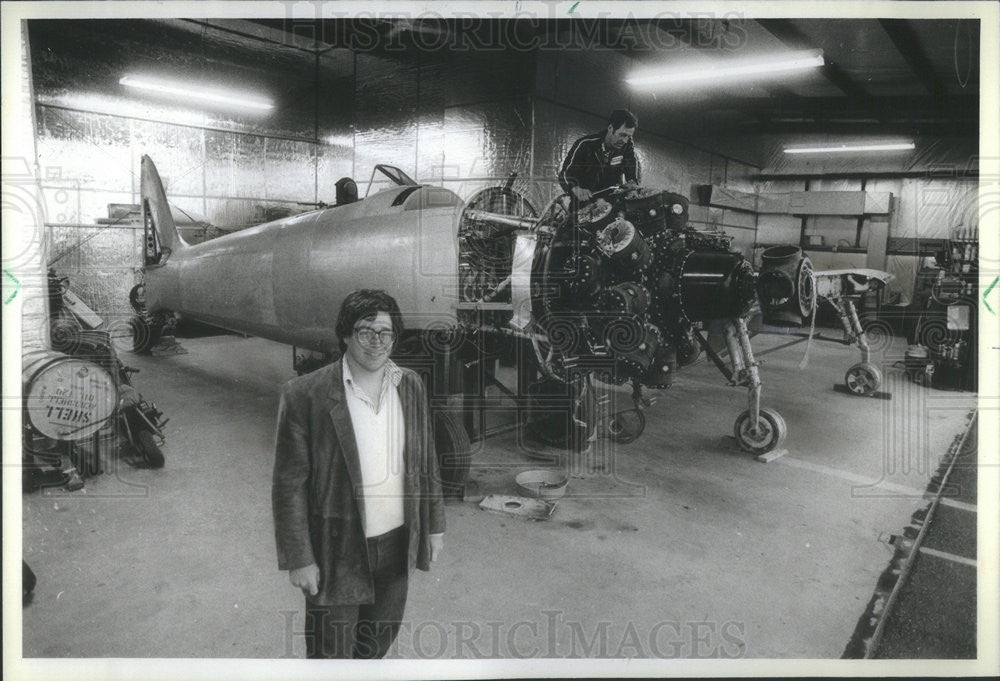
66	398
715	285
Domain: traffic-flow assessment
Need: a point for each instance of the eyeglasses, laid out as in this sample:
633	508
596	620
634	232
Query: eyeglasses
373	337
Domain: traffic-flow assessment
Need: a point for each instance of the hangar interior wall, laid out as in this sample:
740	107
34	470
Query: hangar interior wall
463	120
935	186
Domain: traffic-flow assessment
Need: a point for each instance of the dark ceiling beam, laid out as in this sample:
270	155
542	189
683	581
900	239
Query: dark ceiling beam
905	39
793	38
952	173
834	127
277	35
966	107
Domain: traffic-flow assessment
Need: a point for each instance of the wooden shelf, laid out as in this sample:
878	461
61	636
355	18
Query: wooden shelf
835	249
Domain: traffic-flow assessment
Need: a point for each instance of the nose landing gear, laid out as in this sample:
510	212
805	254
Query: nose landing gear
757	430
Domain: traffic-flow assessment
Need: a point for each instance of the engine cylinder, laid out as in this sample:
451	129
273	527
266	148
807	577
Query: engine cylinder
655	212
628	298
624	246
660	373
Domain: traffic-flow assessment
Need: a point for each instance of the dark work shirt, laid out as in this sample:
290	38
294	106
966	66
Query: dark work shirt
589	165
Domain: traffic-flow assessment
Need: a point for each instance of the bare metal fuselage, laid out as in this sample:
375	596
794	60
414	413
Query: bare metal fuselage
285	280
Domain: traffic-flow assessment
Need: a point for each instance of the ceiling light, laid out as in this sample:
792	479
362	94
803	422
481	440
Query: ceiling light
339	140
840	148
123	106
730	68
214	95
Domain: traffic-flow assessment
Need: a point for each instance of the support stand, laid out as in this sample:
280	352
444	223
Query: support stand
771	455
167	345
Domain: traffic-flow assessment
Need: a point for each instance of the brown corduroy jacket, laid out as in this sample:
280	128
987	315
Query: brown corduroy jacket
317	487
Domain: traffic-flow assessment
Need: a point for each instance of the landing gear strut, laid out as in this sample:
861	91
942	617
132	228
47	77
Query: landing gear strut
757	430
864	378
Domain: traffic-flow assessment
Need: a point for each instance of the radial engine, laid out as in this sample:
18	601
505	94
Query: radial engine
619	288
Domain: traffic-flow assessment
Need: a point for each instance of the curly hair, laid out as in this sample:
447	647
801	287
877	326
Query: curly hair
365	304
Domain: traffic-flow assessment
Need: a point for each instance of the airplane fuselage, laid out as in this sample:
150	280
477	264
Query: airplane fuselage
285	280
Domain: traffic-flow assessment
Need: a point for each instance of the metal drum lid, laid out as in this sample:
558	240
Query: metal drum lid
67	398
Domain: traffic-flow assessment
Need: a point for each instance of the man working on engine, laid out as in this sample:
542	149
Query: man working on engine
602	160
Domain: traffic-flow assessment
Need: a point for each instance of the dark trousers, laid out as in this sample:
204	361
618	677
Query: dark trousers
367	630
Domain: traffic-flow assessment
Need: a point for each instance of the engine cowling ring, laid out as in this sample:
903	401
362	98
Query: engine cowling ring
715	285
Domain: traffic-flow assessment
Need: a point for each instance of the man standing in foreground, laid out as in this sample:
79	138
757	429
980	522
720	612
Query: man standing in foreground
356	492
602	160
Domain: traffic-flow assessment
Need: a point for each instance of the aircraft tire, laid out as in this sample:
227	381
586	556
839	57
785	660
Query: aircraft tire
770	434
454	452
149	449
145	334
626	426
864	378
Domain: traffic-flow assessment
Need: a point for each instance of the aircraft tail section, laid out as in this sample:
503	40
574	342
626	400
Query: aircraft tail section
161	235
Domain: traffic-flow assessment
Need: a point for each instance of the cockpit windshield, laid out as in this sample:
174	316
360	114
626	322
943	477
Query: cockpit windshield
395	175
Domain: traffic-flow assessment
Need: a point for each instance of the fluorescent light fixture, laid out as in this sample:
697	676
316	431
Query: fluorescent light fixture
188	92
730	68
339	140
129	108
842	148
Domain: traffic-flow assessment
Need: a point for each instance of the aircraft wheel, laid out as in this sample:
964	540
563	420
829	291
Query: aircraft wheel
769	434
625	427
864	378
137	298
149	450
454	452
145	333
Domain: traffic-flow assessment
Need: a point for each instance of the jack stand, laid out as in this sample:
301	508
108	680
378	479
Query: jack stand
590	453
167	345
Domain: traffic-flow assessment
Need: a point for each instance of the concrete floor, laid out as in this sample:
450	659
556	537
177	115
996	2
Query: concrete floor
936	614
690	548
